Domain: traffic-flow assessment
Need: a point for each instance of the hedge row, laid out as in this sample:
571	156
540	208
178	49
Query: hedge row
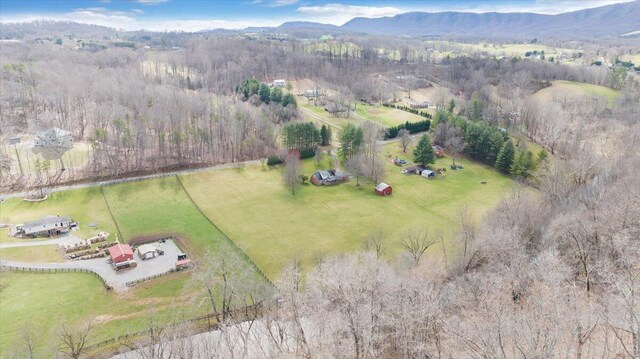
414	111
412	127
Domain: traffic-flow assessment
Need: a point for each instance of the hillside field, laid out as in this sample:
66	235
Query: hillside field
386	116
258	213
571	89
273	227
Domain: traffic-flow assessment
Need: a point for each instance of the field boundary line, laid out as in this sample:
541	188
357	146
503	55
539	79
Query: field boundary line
311	114
231	241
12	268
113	218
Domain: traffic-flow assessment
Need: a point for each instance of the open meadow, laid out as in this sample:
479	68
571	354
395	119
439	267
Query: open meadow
274	227
569	90
152	207
386	116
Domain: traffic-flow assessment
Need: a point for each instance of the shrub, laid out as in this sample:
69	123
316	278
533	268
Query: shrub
307	153
274	160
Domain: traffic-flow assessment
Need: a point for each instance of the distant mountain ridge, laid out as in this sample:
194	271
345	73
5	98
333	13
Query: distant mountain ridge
604	21
616	20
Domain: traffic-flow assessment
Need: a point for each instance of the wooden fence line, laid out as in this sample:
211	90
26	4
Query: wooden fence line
56	270
200	318
113	218
233	244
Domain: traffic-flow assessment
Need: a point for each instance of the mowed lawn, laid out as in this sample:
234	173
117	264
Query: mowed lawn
386	116
43	302
161	207
274	227
149	207
82	205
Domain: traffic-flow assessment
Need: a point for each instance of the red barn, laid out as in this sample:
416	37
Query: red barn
383	189
121	253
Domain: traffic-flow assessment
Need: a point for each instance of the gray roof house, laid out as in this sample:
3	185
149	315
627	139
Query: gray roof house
328	177
46	226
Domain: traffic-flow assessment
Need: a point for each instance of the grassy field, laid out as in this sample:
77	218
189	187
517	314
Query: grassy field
140	208
327	118
39	254
44	302
83	205
571	89
274	227
635	58
75	158
386	116
252	206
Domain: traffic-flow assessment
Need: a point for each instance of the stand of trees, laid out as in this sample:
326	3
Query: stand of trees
301	136
412	127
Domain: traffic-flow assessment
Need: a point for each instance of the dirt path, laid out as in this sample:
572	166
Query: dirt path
311	114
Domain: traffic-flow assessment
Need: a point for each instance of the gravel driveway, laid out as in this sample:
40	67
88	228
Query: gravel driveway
117	280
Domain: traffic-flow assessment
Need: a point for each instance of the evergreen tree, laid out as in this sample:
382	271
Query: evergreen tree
477	107
505	157
276	95
289	99
300	136
249	87
264	93
496	139
423	153
324	134
452	106
523	164
351	139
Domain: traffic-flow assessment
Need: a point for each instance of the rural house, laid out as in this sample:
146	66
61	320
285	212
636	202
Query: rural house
328	177
49	226
383	189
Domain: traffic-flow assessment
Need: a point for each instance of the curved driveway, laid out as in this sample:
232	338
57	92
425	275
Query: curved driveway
117	280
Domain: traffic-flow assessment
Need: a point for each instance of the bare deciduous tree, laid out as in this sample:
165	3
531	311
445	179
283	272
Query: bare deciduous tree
405	139
415	243
292	172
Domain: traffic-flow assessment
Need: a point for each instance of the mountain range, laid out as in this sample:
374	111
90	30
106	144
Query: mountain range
616	20
604	21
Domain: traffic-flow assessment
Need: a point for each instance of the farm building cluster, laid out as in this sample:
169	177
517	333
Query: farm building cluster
328	177
120	255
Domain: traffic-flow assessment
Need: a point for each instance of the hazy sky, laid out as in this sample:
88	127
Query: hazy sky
194	15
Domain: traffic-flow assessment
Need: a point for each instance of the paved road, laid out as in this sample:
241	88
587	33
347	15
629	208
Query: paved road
4	196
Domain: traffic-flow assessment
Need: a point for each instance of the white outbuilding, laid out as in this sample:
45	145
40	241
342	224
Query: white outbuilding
147	251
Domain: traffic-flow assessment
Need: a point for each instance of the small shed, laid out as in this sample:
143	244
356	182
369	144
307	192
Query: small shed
428	174
147	251
279	83
121	253
383	189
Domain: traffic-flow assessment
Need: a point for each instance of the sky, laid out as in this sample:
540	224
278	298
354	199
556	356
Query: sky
196	15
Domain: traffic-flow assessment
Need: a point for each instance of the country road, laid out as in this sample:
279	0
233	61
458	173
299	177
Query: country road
4	196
